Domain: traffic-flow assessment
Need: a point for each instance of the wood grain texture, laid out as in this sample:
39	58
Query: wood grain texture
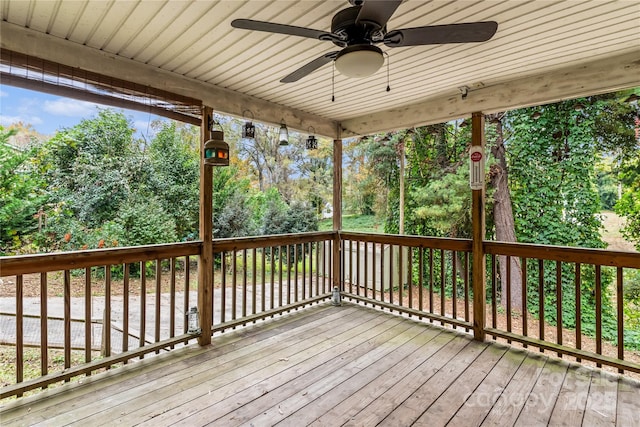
328	366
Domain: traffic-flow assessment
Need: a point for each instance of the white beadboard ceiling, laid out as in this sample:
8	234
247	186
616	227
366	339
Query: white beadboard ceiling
194	41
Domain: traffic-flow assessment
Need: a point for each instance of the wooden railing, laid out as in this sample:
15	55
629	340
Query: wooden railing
562	282
420	276
257	277
106	309
118	305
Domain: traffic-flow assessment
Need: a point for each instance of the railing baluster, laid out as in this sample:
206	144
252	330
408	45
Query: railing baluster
143	304
318	267
358	282
185	306
443	295
400	273
541	316
431	283
172	298
390	274
263	280
466	288
310	252
620	314
223	288
494	293
234	283
272	296
373	269
289	290
366	269
578	293
454	284
523	268
420	277
67	319
303	248
254	272
106	319
409	271
158	301
507	259
44	323
295	272
125	309
280	290
559	304
244	283
598	297
20	330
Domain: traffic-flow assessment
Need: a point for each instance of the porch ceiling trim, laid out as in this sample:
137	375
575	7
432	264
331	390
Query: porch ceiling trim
44	46
596	77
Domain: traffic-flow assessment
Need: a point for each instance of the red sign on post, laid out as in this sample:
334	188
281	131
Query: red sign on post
476	156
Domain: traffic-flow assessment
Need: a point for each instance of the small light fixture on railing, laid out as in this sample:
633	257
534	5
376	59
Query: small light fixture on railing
284	134
216	151
335	297
248	130
312	141
193	321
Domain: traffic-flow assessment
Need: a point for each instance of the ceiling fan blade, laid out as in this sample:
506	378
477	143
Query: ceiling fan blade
310	67
442	34
378	11
270	27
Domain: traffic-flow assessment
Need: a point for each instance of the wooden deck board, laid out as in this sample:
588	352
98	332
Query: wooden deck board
332	366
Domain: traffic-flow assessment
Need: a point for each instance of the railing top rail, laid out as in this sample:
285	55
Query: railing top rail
565	253
235	243
445	243
41	263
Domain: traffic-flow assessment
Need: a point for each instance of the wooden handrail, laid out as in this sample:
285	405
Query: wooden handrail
230	244
41	263
565	254
449	244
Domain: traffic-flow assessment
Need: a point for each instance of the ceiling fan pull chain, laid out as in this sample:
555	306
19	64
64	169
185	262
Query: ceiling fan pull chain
333	82
388	61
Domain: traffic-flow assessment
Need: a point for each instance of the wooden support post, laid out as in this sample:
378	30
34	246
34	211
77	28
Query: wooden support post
337	213
478	232
205	261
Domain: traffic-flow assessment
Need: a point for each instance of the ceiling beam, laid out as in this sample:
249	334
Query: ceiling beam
44	46
591	78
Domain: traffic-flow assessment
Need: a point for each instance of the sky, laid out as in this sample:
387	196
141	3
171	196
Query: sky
49	113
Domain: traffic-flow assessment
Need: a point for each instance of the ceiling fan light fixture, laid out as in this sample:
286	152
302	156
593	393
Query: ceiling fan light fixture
360	60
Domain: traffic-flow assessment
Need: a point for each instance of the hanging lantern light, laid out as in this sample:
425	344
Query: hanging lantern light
312	142
284	134
193	321
216	151
248	130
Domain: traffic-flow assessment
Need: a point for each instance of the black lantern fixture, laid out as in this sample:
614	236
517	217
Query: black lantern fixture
284	134
312	141
248	130
216	151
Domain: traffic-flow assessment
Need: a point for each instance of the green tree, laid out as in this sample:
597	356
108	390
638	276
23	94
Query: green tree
175	177
21	193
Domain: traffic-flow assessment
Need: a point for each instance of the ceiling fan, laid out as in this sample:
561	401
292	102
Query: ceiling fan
360	27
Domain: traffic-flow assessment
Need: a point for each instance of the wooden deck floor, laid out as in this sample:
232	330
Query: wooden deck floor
332	366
